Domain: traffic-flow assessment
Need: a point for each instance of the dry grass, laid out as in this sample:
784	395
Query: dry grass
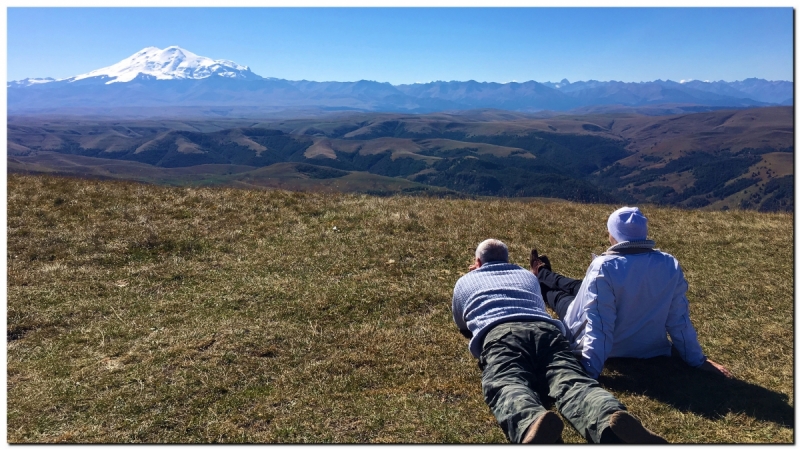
153	314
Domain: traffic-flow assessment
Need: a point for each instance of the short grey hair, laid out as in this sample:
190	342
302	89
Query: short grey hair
492	250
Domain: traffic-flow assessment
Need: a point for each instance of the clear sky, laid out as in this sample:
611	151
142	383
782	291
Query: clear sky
407	45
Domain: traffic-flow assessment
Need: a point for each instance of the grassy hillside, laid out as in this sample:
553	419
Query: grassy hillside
289	176
141	313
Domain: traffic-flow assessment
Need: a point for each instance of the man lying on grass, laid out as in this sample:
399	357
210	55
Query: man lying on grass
632	297
524	357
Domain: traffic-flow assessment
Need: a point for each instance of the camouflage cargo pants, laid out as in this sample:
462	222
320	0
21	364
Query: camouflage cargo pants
522	361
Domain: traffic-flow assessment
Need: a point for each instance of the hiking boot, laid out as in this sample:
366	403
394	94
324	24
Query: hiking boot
629	430
546	263
539	262
544	430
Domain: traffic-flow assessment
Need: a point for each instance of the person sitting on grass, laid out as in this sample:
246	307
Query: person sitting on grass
631	298
525	357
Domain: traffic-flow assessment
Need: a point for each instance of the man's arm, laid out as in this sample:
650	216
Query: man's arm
680	328
601	315
459	298
683	334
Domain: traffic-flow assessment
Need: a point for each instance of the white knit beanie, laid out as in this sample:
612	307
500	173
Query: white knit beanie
627	224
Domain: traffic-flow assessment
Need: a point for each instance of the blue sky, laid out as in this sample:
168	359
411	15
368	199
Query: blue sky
407	45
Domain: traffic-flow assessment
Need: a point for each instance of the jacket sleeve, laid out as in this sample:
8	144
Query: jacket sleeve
601	316
459	299
680	328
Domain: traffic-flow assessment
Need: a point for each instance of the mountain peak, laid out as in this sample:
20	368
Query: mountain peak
170	63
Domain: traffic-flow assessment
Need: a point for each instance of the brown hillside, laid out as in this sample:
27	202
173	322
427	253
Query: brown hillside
652	142
671	137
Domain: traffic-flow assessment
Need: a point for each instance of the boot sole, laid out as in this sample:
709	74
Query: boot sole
631	431
545	430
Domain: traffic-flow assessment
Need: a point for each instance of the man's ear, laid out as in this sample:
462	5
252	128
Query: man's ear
478	262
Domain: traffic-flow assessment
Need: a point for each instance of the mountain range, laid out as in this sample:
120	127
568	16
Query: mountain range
155	82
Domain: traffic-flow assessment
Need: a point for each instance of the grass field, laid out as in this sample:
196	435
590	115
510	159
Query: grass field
150	314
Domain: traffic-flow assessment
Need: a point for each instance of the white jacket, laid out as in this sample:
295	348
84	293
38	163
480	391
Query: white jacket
626	306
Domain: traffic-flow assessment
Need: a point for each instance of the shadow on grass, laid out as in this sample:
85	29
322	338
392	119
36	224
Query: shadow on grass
669	380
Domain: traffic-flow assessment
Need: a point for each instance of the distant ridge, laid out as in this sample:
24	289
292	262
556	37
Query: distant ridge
175	77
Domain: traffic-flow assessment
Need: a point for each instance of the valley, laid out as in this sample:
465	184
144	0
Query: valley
724	159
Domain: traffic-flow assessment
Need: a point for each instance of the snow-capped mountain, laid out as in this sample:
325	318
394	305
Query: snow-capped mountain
168	64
